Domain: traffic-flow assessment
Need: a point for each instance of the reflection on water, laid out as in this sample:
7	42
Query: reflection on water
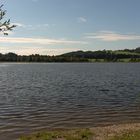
40	96
4	65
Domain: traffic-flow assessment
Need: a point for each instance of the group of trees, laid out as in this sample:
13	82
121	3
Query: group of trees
12	57
78	56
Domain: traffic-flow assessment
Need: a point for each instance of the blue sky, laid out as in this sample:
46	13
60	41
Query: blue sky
58	26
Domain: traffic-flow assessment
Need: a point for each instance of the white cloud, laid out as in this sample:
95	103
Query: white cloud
33	27
82	19
112	36
40	41
23	50
18	24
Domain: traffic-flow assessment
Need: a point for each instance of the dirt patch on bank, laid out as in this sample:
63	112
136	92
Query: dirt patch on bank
104	133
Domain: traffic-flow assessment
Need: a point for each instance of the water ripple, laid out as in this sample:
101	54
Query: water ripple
40	96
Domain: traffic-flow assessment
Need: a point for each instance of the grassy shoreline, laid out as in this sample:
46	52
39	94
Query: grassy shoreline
114	132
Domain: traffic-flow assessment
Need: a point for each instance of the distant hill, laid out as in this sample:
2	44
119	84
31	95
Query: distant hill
125	55
105	54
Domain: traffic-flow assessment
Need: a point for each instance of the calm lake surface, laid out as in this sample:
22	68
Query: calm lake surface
44	96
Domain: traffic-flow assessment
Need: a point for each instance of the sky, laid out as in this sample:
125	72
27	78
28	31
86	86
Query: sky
55	27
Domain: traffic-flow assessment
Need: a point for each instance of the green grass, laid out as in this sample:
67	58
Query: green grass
131	135
96	60
124	60
125	52
81	134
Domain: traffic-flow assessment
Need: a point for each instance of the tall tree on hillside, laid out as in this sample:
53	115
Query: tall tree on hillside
5	25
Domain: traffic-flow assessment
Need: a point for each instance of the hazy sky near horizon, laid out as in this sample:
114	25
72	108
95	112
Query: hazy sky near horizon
58	26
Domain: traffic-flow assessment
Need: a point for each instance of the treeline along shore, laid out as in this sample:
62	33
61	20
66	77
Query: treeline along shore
126	55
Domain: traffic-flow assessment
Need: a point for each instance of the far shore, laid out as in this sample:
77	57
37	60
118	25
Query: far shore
88	62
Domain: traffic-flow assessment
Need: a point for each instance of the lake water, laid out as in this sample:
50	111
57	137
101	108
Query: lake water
43	96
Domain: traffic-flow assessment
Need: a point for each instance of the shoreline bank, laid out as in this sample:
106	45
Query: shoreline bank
129	131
